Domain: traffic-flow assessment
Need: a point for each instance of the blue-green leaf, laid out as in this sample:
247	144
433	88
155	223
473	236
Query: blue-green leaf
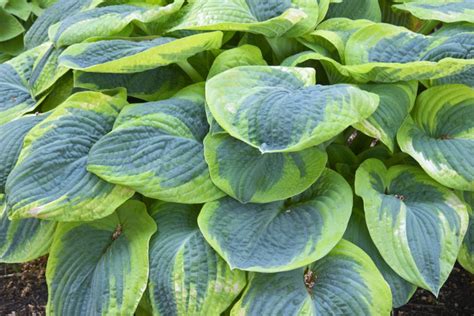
417	224
187	277
279	109
100	267
50	179
282	235
247	175
156	149
345	282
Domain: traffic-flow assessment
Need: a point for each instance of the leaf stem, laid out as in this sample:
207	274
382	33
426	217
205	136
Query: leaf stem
190	71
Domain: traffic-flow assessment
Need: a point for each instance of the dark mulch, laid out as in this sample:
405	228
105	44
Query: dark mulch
23	288
23	292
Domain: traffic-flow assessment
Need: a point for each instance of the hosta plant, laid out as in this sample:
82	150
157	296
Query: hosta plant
204	157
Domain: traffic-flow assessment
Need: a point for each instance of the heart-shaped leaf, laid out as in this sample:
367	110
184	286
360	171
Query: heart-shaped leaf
345	282
156	149
126	56
282	235
187	277
279	109
100	267
439	134
50	179
247	175
417	224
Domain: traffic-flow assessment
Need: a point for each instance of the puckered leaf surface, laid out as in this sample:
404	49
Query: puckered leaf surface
439	134
417	224
282	235
446	11
100	267
279	109
187	277
127	56
247	175
50	179
156	149
345	282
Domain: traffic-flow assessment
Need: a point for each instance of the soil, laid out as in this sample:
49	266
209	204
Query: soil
23	292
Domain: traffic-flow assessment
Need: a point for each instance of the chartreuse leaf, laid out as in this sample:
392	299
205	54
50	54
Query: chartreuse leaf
50	179
439	134
345	282
16	97
38	32
245	55
446	11
107	21
466	254
25	239
396	101
417	224
150	85
270	18
156	149
247	175
282	235
279	109
9	25
100	267
361	9
358	234
187	277
126	56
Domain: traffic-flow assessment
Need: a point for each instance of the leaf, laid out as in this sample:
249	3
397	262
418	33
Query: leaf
38	32
245	55
416	224
100	267
279	109
19	8
396	102
270	18
405	55
150	85
362	9
187	277
466	253
282	235
46	70
439	134
9	25
156	149
345	282
358	234
247	175
16	97
107	21
441	10
27	239
126	56
50	179
390	56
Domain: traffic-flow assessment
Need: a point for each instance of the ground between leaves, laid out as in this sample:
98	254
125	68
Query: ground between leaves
23	292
